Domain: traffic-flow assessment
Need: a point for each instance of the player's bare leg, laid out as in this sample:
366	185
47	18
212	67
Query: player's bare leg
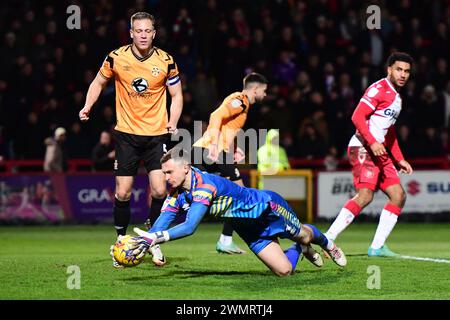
158	194
226	243
351	209
388	219
275	259
121	209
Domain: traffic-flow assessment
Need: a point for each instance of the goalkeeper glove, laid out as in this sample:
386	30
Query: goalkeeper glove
153	238
139	246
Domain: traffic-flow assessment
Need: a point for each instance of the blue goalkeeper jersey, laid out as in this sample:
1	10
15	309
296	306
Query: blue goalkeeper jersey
223	197
209	194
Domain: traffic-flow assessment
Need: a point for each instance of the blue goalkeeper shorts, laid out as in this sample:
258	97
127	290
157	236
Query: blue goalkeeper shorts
278	221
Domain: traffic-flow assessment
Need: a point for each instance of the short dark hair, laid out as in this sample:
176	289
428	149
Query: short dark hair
254	78
142	16
177	154
399	56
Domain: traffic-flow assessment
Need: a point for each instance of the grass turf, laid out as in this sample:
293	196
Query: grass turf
34	263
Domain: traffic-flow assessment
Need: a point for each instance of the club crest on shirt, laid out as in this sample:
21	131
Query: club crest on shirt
155	71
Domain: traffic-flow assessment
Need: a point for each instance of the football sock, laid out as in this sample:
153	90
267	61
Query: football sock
155	209
122	214
350	210
225	240
318	237
293	254
388	219
227	229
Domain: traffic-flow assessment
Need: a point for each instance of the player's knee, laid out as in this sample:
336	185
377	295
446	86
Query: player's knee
159	192
364	197
283	271
123	195
399	198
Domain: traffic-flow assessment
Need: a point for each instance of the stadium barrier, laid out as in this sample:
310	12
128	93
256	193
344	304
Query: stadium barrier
428	192
80	195
83	165
295	186
80	198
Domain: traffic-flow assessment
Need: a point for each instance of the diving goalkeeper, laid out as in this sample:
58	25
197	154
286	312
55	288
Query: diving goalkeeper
259	217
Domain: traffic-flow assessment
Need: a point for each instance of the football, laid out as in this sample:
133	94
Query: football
123	250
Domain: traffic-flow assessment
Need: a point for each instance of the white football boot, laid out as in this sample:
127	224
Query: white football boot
158	258
337	255
313	256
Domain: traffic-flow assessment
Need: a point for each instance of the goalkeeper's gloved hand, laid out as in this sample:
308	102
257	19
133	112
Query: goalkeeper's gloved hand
140	246
153	238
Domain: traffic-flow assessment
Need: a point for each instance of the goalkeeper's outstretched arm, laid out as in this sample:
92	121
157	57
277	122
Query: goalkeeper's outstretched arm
164	220
188	227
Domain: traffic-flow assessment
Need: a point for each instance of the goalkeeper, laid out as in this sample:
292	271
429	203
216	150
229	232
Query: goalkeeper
259	217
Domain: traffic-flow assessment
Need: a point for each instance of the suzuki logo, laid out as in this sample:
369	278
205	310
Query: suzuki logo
413	187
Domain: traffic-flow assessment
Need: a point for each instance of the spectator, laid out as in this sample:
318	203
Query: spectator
331	161
240	28
324	46
446	98
440	76
55	156
204	94
406	142
103	154
272	158
285	69
445	143
77	142
430	112
430	144
30	145
183	29
310	144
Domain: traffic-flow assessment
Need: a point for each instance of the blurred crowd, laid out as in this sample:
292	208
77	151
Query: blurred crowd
318	55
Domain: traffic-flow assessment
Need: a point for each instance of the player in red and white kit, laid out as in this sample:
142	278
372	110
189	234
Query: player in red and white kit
375	155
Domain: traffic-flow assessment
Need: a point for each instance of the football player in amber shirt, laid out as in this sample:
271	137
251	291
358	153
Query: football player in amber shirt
142	74
224	125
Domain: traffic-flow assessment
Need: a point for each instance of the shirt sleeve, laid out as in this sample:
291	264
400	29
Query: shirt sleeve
107	68
204	194
225	111
173	76
169	211
193	217
359	119
371	98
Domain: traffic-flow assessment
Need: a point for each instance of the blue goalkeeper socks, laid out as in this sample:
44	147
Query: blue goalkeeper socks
293	254
318	237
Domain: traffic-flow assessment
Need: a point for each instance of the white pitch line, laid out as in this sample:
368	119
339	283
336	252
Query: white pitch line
425	259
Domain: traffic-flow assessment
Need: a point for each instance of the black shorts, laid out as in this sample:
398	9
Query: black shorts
223	167
131	149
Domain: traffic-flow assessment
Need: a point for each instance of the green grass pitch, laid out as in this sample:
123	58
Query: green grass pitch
34	262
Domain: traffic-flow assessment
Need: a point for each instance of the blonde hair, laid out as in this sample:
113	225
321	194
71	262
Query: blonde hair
142	16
